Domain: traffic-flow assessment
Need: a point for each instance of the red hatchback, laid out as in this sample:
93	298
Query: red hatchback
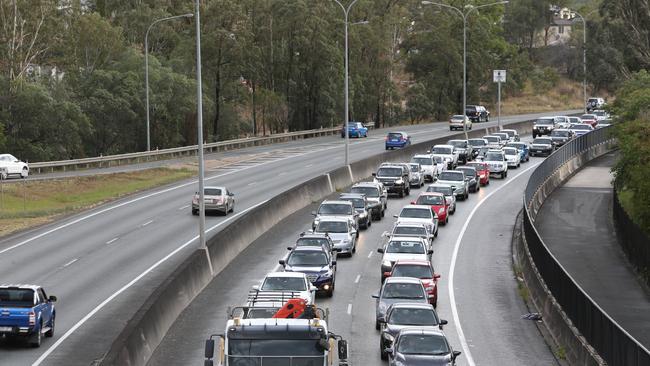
438	204
590	119
483	171
418	269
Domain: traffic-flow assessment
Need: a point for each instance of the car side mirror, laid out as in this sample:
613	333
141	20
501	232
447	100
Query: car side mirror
256	287
282	262
375	296
380	250
289	248
430	251
231	194
374	174
343	349
52	299
412	202
395	216
334	262
443	322
436	276
385	234
313	288
209	348
456	354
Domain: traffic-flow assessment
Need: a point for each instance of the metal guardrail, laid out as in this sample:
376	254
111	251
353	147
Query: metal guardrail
615	345
144	156
635	242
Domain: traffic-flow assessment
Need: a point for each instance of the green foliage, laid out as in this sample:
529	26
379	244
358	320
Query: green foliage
633	132
544	79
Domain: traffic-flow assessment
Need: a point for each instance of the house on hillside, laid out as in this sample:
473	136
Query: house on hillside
558	31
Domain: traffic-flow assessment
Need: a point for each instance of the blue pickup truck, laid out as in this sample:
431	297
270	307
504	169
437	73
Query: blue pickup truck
26	312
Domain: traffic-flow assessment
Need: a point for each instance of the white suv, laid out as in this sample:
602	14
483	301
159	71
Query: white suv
497	162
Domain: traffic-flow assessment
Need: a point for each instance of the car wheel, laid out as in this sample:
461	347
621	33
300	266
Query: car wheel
36	339
368	223
330	292
408	191
50	333
232	208
466	194
377	325
446	219
24	173
382	354
195	212
386	147
401	194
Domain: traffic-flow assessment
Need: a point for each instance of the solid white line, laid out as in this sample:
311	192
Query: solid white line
252	183
112	241
356	280
146	223
281	174
184	207
309	165
370	254
349	309
128	285
69	263
452	267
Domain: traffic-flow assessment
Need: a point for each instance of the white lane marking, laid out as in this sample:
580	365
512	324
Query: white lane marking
281	174
309	165
184	207
146	223
128	285
349	309
252	183
452	267
370	254
69	263
112	241
356	280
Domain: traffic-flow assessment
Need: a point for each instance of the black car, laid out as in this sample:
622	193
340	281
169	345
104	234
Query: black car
361	206
318	264
394	178
561	137
542	146
310	239
421	347
472	178
543	126
477	113
406	315
463	148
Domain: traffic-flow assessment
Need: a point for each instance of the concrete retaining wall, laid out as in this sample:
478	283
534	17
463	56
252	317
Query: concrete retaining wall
561	331
146	329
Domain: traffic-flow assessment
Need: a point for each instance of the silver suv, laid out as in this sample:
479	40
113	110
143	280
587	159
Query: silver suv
377	197
337	208
456	179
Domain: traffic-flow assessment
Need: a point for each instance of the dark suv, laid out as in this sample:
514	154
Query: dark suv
316	263
477	113
543	126
395	178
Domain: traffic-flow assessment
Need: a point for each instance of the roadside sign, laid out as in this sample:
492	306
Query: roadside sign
499	76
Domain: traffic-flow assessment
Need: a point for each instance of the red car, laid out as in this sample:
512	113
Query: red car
483	171
438	204
418	269
590	119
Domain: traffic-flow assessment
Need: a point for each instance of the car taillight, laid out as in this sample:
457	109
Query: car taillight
32	318
386	138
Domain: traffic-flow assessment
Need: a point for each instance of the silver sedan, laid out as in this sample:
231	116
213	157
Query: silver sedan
216	199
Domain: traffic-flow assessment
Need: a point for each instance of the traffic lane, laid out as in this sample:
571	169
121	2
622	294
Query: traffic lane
271	147
486	290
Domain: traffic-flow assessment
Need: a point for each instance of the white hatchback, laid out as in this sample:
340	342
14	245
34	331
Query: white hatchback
10	165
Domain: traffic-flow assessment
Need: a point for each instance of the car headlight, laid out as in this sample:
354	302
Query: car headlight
386	264
399	181
441	210
363	214
447	159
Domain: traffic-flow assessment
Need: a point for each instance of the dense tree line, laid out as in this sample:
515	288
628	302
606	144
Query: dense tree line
72	71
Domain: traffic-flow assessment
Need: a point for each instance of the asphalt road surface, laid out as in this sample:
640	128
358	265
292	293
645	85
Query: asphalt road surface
476	243
103	263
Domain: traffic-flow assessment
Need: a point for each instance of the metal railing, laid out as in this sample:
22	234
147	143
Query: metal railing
609	339
144	156
635	242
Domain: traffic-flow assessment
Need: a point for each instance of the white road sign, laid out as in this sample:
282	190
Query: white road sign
499	76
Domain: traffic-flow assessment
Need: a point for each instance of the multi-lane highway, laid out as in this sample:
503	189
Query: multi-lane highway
484	319
102	264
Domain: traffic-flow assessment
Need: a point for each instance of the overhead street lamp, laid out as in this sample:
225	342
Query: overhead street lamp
464	15
584	60
146	67
199	127
346	121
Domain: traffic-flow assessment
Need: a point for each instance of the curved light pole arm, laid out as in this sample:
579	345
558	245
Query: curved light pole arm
584	60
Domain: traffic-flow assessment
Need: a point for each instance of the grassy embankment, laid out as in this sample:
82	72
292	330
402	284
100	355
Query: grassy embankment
565	95
32	203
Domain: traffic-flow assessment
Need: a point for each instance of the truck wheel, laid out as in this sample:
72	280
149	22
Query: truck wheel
36	339
50	333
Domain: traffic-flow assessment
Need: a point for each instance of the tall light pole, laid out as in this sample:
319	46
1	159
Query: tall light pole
146	68
464	15
199	127
346	121
584	60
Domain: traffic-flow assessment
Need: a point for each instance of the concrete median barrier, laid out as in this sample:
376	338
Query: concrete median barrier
144	332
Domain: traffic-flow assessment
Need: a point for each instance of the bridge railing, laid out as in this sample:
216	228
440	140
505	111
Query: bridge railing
615	345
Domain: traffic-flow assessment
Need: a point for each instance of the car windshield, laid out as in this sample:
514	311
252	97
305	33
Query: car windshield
307	258
430	200
447	191
394	136
511	151
557	133
334	209
409	270
311	242
469	172
509	133
454	176
422	344
545	121
477	142
357	202
406	316
415	167
416	213
478	166
332	227
443	150
588	116
494	156
423	161
284	284
410	230
212	192
580	127
18	298
457	143
403	291
492	139
543	141
368	191
438	159
399	246
389	172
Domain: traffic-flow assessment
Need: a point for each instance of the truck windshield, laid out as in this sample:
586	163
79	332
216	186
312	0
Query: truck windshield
259	352
18	298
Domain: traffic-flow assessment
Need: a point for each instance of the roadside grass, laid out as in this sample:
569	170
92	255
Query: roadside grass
31	203
567	94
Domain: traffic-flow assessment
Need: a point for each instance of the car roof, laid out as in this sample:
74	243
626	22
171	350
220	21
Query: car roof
422	155
335	202
285	274
412	305
423	330
413	262
406	238
454	140
313	234
366	184
400	132
443	145
351	195
216	187
408	223
486	136
439	185
309	249
420	207
430	194
403	280
21	286
334	218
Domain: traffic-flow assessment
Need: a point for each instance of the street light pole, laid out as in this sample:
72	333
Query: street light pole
584	60
146	68
464	16
346	121
199	126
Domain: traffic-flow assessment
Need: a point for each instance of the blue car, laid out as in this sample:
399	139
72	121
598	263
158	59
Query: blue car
355	129
522	147
26	312
397	139
317	263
